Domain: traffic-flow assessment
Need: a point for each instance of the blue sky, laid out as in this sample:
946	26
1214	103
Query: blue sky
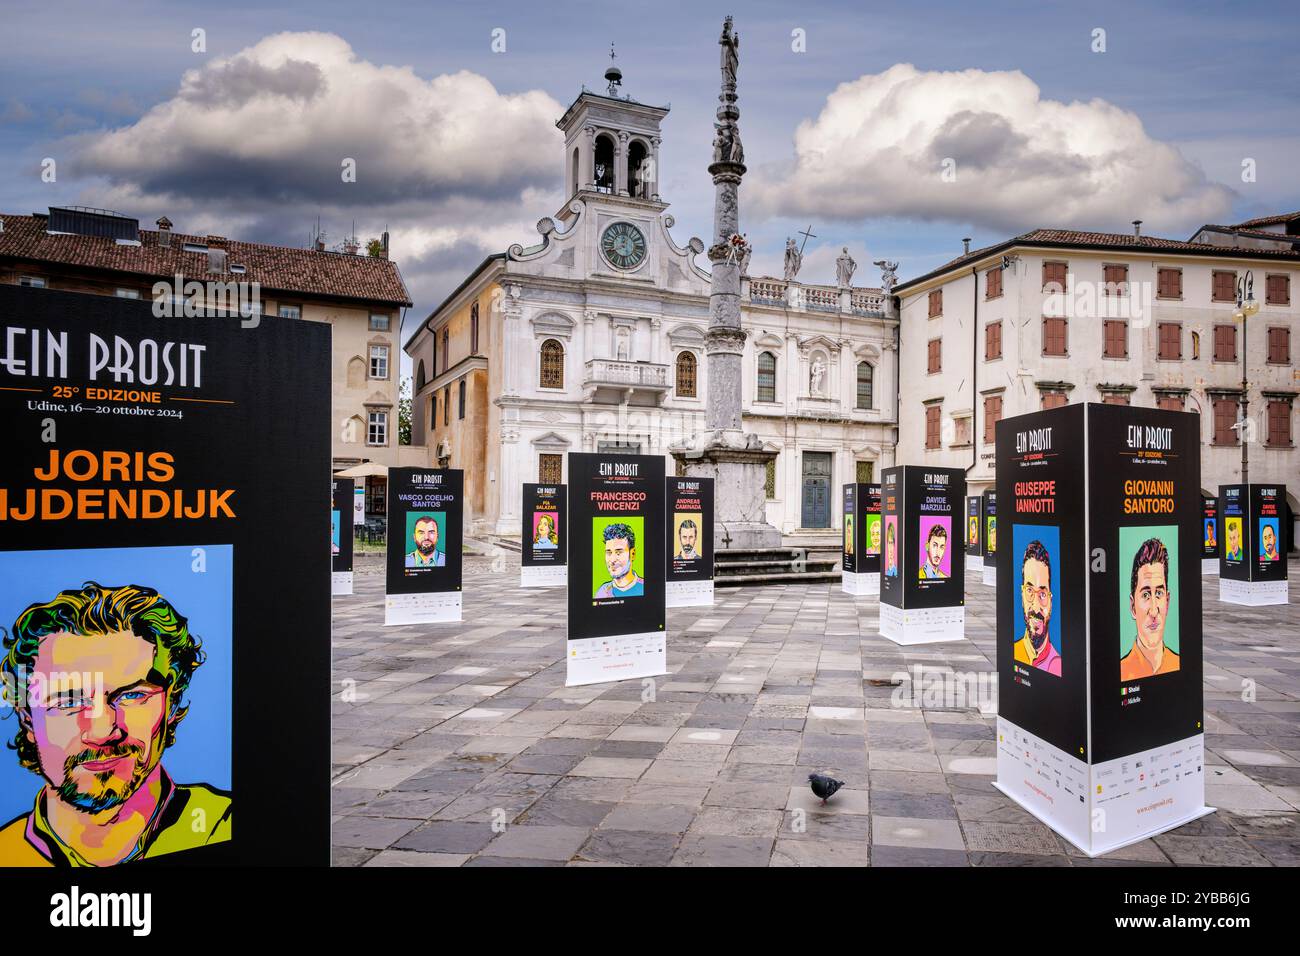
1189	89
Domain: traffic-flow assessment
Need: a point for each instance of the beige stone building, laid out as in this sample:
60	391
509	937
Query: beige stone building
1057	316
362	298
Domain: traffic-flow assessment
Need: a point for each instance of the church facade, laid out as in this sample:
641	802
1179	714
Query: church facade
592	339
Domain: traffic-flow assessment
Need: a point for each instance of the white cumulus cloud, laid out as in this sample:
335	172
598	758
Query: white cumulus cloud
881	144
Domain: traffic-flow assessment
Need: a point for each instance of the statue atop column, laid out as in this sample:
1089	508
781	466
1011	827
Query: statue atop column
793	260
844	269
730	43
723	450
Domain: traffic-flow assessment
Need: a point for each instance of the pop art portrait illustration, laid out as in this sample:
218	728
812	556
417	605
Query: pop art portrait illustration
99	678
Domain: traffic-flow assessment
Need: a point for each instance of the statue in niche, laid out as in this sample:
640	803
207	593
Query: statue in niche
622	347
817	376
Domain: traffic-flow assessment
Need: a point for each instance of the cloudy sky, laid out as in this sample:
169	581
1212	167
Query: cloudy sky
1050	114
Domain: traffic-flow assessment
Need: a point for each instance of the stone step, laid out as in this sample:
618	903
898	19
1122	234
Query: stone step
721	570
779	577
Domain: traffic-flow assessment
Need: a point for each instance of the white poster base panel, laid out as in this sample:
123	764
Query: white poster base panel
922	625
688	594
435	607
544	576
974	562
867	584
1209	565
598	660
1106	806
340	583
991	575
1253	593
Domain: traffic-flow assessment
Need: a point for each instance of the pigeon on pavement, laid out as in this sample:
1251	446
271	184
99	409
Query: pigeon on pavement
824	786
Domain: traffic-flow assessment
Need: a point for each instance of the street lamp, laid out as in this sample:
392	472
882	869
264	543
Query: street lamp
1246	307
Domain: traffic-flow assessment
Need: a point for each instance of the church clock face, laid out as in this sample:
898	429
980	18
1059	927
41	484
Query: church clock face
623	245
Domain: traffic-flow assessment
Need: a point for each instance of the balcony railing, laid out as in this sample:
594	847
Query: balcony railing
626	374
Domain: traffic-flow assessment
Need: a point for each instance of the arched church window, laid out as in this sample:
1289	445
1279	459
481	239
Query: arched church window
420	376
603	171
551	373
636	169
686	375
766	377
577	171
866	379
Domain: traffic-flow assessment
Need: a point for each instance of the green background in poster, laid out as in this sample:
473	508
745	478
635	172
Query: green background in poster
412	517
600	573
870	521
1130	539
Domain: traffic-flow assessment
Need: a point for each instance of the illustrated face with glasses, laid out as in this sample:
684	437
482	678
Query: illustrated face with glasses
1036	600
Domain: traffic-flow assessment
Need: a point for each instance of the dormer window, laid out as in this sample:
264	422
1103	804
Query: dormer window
195	247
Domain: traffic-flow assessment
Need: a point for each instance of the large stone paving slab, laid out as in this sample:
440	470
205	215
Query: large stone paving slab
459	745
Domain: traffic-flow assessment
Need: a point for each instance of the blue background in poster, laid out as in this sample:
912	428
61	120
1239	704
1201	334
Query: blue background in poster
201	753
1021	535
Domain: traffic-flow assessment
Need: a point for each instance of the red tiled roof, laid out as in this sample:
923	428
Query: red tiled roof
275	268
1267	220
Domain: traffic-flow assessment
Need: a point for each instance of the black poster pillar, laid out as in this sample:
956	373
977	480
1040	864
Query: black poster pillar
922	578
971	532
1252	565
163	545
341	536
616	568
543	558
989	538
425	545
1099	621
689	547
1209	535
863	539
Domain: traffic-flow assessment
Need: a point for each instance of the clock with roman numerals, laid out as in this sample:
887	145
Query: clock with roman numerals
623	245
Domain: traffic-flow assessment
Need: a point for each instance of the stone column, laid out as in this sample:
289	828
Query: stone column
620	164
735	460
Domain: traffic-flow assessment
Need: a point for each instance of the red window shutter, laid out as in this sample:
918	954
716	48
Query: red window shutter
1054	276
936	302
1053	399
993	283
1225	286
1278	290
1169	283
932	413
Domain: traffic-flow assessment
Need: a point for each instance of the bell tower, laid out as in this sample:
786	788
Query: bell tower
611	146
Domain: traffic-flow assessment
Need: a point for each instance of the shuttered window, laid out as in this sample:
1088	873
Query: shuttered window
1054	276
1277	290
1055	335
1115	336
993	340
1225	416
1223	286
1171	340
1279	346
1225	343
993	283
992	415
1169	283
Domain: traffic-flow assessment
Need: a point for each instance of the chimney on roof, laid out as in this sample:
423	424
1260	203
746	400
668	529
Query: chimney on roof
965	246
1137	228
385	243
319	242
164	231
